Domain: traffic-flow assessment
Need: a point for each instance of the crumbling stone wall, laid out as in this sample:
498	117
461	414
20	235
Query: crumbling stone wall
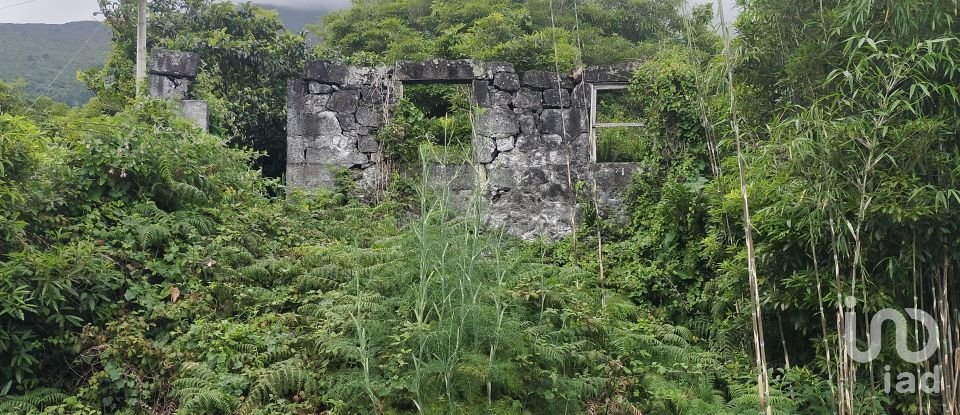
171	76
332	117
531	143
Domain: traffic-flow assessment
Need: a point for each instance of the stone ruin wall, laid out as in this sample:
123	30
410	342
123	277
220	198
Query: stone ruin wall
171	76
531	138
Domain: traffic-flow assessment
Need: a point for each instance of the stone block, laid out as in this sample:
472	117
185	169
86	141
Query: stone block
532	178
344	101
535	150
507	81
527	142
348	122
556	98
295	92
164	87
310	176
321	124
315	103
360	76
501	99
581	149
370	177
528	121
339	151
497	123
503	177
318	88
195	111
369	116
174	63
495	67
294	124
484	150
615	178
392	92
617	73
328	72
480	93
371	95
581	96
296	150
526	214
543	80
528	99
440	70
505	144
367	144
457	181
569	123
455	177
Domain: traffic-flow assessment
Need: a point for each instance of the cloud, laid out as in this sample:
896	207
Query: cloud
48	11
63	11
308	4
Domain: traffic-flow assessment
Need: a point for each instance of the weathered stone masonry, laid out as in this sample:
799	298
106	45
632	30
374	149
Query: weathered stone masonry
171	77
531	137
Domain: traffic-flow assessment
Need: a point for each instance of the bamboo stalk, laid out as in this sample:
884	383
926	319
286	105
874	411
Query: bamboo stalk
566	139
823	315
763	384
916	305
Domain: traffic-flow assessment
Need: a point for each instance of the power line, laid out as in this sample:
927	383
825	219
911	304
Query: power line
75	54
17	4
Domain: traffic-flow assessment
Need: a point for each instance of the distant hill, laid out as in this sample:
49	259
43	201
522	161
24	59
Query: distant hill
296	19
35	53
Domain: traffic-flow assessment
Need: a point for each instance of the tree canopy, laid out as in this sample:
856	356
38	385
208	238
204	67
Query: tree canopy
246	58
532	34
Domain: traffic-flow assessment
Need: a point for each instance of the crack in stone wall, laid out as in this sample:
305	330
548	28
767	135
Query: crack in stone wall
531	141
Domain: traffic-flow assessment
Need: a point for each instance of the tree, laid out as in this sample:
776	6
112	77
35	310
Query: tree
246	57
533	34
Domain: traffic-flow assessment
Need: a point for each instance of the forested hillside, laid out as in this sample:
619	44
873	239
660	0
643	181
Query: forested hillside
36	54
800	184
297	19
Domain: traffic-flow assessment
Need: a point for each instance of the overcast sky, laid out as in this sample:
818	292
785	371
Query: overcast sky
62	11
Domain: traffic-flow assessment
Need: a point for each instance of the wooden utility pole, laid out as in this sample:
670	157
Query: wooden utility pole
141	45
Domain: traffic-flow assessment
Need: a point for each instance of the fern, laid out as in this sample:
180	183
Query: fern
199	391
188	193
32	401
147	209
153	235
283	379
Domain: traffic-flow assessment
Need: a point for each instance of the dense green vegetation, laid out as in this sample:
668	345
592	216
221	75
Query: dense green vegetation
148	267
541	34
247	57
148	257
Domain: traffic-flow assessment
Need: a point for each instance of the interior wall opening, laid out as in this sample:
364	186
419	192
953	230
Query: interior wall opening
435	122
617	126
